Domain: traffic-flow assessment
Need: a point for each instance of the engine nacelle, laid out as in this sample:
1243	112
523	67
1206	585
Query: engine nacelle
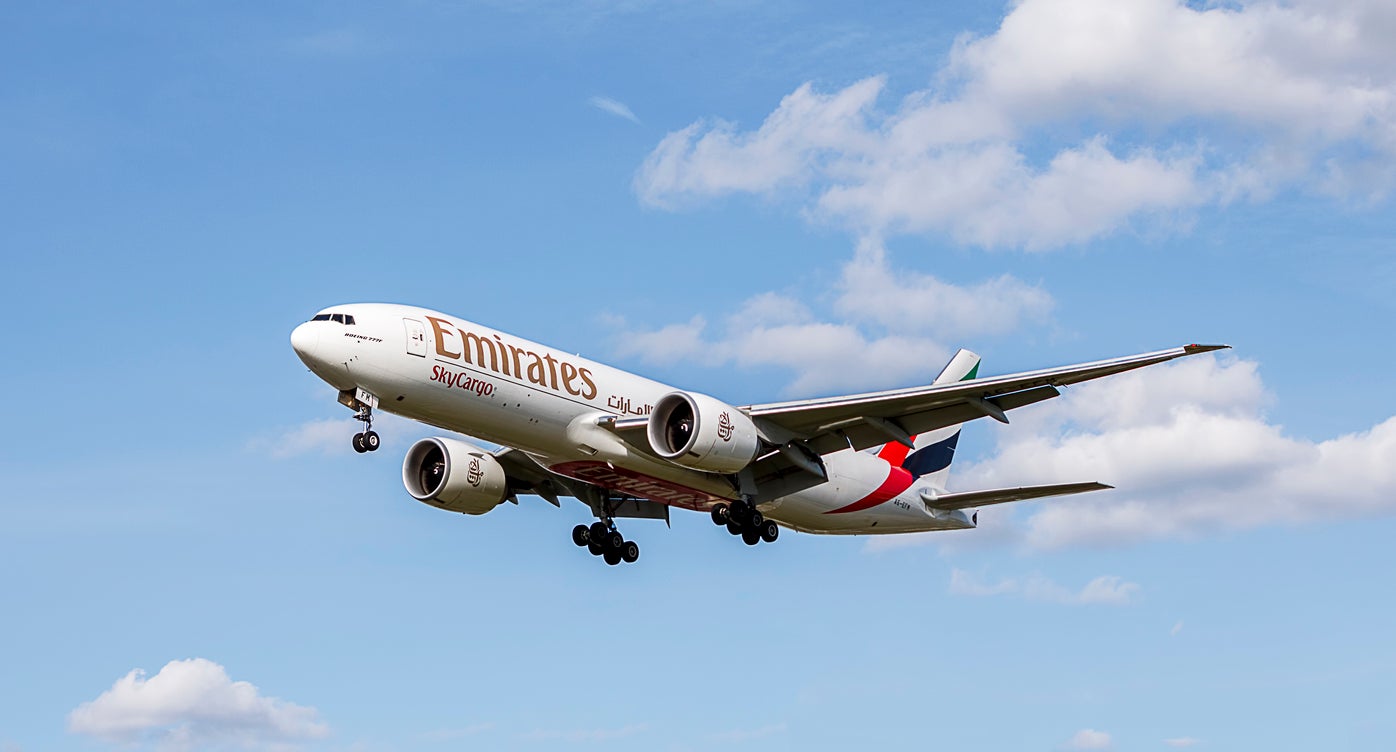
697	431
454	475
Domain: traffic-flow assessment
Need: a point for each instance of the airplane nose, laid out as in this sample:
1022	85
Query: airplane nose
304	339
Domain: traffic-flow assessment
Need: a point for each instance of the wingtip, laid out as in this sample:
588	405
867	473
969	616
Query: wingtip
1194	349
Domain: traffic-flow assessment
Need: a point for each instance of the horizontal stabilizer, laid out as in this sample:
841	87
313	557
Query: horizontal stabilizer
970	499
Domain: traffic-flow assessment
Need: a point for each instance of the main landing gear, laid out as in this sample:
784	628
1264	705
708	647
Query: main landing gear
744	519
604	540
368	440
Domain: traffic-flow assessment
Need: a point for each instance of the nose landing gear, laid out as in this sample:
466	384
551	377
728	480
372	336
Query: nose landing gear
744	519
367	441
362	402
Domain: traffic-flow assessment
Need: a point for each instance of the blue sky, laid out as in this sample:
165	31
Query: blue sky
757	203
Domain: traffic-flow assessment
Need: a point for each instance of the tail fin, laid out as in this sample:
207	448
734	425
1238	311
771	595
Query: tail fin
932	452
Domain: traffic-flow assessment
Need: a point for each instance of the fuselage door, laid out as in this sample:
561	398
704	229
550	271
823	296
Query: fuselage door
416	337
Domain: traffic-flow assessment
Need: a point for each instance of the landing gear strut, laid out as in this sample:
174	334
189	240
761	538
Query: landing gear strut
368	440
604	540
742	518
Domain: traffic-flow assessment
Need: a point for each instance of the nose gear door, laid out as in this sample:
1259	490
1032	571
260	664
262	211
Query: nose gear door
416	337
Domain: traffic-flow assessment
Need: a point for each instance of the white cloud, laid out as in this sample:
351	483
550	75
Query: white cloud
1089	739
330	436
990	195
193	704
1191	451
1107	590
1177	628
876	344
792	147
1267	96
926	304
614	107
1306	67
1182	742
774	330
323	436
965	583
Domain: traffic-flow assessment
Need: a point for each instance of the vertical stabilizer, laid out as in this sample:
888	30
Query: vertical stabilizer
932	453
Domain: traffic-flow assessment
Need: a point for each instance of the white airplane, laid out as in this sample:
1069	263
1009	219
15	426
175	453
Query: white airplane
863	464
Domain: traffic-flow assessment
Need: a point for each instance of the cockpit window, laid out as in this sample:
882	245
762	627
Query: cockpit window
338	318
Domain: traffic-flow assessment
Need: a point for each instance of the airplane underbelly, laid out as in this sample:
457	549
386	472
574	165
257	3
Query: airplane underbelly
632	483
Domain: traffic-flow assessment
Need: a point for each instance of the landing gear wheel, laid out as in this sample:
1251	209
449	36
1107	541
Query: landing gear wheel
720	514
734	527
755	520
770	531
751	537
602	538
738	510
368	440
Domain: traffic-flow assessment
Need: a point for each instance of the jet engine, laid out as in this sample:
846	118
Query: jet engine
697	431
454	475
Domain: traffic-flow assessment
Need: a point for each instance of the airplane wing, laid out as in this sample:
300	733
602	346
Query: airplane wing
802	431
865	420
969	499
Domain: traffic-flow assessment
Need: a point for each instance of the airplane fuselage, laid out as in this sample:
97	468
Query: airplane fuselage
468	378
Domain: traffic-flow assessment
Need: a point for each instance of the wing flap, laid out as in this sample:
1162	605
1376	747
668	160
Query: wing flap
968	499
929	419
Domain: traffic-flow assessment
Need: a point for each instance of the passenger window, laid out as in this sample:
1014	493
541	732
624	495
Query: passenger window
337	318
